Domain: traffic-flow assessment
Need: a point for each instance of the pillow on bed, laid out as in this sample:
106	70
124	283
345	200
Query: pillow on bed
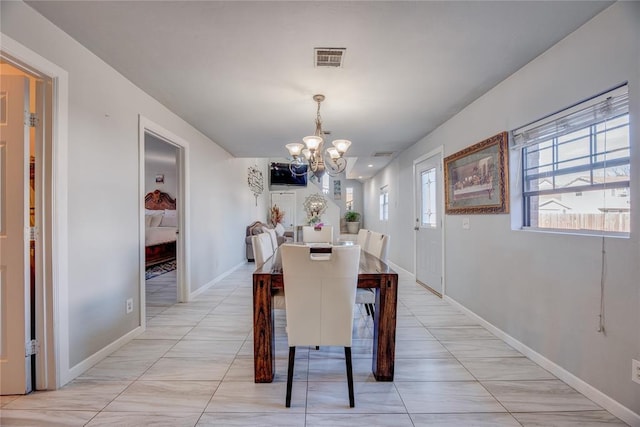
154	220
169	221
154	212
147	221
170	212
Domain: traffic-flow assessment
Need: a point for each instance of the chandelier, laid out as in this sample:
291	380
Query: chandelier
312	153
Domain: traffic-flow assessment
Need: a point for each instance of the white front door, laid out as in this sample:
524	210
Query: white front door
429	219
15	330
286	201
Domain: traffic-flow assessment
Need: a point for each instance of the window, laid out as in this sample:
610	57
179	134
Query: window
384	204
325	184
349	199
576	167
428	208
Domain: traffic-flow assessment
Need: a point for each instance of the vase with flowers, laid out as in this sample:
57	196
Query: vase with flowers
276	215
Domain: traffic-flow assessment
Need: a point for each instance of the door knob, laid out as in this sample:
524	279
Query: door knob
416	228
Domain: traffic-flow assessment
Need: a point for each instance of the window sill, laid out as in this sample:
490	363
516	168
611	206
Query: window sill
587	233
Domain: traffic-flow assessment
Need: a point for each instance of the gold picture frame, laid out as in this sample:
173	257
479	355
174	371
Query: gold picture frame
476	179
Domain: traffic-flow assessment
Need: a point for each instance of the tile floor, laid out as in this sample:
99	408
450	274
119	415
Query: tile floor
193	366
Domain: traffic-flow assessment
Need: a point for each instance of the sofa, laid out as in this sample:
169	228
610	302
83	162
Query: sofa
257	227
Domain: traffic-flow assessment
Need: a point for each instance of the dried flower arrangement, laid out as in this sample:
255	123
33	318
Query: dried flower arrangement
277	215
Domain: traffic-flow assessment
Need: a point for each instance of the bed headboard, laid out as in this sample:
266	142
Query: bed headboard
157	200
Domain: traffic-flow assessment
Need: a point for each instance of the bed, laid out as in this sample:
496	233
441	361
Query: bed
161	228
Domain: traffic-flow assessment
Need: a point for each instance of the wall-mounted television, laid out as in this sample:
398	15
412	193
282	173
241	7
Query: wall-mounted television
280	174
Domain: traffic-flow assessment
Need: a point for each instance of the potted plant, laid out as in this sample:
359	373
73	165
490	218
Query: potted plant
352	219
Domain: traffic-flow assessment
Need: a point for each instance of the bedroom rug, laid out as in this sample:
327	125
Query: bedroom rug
160	269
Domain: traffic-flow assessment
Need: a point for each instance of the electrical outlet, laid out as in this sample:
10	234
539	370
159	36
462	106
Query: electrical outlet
635	373
129	305
465	224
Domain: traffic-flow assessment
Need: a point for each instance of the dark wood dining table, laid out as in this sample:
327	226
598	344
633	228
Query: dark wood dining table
374	273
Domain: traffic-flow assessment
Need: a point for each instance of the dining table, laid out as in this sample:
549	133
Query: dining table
373	273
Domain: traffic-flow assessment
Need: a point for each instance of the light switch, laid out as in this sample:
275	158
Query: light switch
465	223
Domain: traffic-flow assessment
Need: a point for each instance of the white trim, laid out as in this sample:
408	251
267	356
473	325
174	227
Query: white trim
182	248
398	269
617	409
96	357
56	289
436	151
216	280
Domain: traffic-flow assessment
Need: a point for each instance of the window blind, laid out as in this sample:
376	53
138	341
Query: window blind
595	110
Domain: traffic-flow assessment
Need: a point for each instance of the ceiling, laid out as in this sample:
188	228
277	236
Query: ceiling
243	72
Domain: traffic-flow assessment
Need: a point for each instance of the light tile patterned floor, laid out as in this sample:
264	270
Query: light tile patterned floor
193	366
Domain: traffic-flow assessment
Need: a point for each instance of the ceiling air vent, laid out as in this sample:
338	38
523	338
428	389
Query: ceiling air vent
383	154
329	57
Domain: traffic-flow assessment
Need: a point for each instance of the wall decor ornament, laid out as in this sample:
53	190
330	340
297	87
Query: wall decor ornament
337	190
314	205
476	179
255	181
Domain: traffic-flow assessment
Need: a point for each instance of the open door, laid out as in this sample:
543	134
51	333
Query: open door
15	324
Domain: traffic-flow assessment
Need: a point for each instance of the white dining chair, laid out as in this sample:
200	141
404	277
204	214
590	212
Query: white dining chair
376	245
323	235
363	238
262	251
320	297
273	236
366	297
262	248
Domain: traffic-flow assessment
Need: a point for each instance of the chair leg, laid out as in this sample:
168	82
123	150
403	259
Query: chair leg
371	310
347	357
366	307
292	358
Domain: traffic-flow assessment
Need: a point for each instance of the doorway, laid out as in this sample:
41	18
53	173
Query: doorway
161	224
429	236
286	201
163	165
25	205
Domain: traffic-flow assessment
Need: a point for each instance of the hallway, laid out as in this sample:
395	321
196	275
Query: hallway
194	366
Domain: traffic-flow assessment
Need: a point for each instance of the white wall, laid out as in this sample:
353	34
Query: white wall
103	185
160	159
541	289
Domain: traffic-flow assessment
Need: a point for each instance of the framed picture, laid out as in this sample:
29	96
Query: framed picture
337	190
160	178
476	178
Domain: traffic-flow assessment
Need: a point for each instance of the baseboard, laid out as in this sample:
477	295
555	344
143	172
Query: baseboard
96	357
215	280
400	270
611	405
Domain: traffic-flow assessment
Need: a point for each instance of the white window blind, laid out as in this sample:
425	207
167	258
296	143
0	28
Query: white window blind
590	112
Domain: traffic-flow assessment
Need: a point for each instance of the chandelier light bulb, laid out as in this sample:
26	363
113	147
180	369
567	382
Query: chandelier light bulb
342	145
295	148
313	142
333	152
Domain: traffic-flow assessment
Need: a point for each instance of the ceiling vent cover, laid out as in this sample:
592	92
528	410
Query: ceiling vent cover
383	154
329	56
